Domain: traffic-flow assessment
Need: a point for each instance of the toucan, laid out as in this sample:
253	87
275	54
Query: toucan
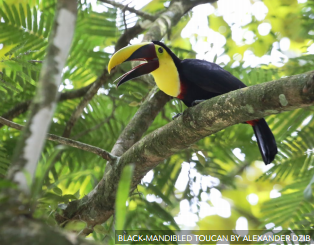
190	80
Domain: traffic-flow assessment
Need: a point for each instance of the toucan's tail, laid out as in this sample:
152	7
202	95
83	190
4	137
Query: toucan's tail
265	139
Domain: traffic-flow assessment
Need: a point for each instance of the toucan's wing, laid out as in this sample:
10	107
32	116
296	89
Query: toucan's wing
209	76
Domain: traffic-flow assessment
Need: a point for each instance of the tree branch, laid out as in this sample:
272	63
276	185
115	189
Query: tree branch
16	110
128	35
75	93
24	230
198	122
32	139
66	141
87	97
218	113
140	122
170	18
23	106
132	10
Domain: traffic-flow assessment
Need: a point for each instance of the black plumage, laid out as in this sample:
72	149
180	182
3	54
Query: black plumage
202	80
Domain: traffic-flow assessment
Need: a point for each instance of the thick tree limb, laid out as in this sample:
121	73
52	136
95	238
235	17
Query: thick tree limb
218	113
196	123
66	141
32	140
140	122
19	229
171	17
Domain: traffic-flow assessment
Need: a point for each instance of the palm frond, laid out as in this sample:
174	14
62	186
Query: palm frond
291	209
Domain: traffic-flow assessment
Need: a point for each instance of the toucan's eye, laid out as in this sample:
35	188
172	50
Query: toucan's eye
160	50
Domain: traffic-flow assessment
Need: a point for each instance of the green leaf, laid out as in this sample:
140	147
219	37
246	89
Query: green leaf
201	159
69	197
75	226
42	174
308	193
41	24
100	229
138	95
134	104
122	196
29	18
155	208
35	25
4	183
4	16
58	191
21	10
53	197
159	193
16	16
8	10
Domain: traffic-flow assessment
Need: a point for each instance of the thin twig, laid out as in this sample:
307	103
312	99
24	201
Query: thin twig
124	20
87	98
66	141
23	106
132	10
35	61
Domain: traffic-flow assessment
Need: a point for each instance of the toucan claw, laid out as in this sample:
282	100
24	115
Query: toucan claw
176	116
194	103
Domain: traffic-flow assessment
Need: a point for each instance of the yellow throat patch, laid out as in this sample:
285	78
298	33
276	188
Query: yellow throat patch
166	76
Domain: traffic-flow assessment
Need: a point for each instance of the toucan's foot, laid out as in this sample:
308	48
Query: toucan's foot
176	116
197	102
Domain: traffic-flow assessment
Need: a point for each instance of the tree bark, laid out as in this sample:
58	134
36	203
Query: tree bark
33	137
19	229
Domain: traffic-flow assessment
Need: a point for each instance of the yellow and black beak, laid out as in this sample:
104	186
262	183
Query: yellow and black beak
138	52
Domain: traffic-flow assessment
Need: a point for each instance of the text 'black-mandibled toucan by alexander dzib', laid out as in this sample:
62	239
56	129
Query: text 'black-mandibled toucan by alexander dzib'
189	80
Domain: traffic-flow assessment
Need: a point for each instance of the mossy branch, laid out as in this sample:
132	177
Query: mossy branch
207	118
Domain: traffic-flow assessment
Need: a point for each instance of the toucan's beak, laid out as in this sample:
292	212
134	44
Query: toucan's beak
138	52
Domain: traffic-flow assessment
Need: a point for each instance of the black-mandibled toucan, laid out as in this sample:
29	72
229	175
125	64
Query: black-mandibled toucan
189	80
